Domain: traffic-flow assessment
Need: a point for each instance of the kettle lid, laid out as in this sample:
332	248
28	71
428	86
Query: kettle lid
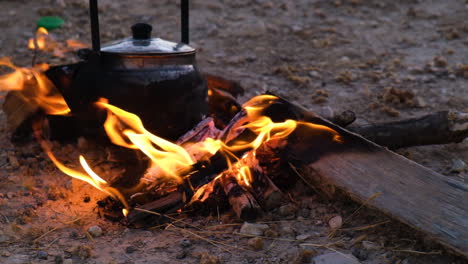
141	43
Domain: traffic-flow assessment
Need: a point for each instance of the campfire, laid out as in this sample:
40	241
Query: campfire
213	152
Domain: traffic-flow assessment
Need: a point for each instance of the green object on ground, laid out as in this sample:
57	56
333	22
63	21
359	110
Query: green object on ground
50	22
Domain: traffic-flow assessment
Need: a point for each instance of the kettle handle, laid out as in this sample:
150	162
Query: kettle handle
184	21
94	16
93	13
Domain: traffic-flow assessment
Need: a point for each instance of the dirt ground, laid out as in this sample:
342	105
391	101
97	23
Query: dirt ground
328	56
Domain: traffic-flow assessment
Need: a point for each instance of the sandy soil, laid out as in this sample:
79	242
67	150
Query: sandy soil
326	55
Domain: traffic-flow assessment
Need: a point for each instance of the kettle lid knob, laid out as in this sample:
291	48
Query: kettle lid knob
141	31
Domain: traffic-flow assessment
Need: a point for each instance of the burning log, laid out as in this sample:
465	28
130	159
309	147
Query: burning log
242	201
439	128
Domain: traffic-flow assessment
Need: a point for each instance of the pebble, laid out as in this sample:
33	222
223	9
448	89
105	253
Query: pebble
416	70
256	243
452	76
253	229
5	253
335	258
287	209
130	249
67	261
287	230
10	195
42	255
95	231
440	61
315	74
420	102
303	236
458	165
369	245
335	222
304	255
185	243
207	258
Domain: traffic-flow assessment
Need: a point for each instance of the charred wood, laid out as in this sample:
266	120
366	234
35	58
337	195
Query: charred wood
241	200
220	83
439	128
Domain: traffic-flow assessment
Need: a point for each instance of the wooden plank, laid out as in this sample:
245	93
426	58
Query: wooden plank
425	200
432	203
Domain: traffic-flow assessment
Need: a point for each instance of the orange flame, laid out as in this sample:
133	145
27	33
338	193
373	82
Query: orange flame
45	42
42	40
33	87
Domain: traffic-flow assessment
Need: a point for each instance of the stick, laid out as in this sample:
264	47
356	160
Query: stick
438	128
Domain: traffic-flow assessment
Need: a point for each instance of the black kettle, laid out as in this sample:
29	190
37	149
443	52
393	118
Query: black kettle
154	78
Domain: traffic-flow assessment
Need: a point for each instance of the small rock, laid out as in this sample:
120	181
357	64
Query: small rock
360	253
315	74
416	70
335	222
10	195
185	243
335	258
420	102
327	112
95	231
253	229
452	76
458	165
207	258
5	253
271	233
67	261
369	245
287	230
287	209
440	61
256	243
345	59
303	236
130	249
42	255
304	255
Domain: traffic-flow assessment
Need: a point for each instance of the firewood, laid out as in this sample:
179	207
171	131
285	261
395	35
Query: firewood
218	82
408	192
168	204
209	198
242	201
222	106
438	128
20	113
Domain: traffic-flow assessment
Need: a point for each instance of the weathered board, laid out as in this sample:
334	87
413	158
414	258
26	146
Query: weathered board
430	202
435	204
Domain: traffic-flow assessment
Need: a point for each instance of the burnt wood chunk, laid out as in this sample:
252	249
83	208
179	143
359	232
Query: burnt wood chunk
242	202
